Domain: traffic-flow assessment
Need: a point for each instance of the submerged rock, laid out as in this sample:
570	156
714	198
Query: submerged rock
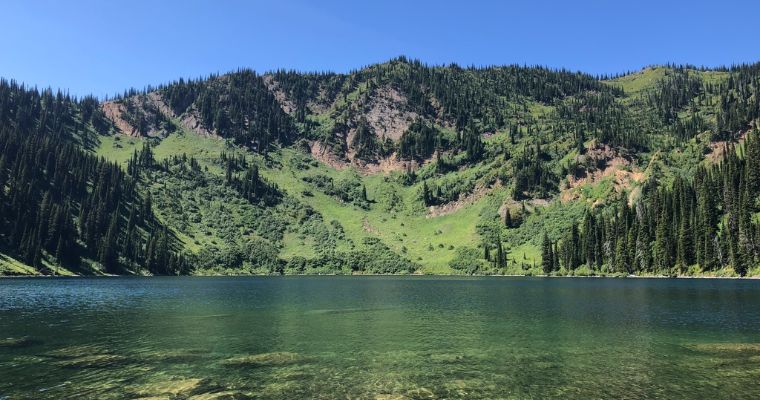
85	356
447	358
77	351
177	356
274	359
287	374
174	387
284	390
420	394
391	397
92	361
154	398
24	341
463	387
30	359
727	347
226	395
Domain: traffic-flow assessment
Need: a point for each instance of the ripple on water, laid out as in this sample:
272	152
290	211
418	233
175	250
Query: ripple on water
274	359
378	338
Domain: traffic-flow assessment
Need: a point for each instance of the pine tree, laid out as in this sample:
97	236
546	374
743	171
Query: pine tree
547	255
501	258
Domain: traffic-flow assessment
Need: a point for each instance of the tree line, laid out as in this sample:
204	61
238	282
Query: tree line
707	223
61	205
238	106
58	203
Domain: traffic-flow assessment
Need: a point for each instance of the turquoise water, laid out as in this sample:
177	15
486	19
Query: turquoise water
379	338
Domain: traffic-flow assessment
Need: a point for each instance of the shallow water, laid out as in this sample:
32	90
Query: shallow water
379	338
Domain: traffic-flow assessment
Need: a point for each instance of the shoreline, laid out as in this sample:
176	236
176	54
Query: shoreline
753	277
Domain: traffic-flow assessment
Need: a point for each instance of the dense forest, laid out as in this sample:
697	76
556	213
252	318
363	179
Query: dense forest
708	221
61	204
544	171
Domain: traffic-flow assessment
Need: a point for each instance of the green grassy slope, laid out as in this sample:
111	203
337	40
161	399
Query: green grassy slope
408	229
395	214
580	143
404	226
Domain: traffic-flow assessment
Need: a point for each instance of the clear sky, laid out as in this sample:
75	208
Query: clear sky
105	46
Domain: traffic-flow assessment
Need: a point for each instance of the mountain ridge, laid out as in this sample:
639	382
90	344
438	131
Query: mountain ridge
355	152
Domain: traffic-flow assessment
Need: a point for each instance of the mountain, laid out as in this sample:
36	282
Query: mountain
397	167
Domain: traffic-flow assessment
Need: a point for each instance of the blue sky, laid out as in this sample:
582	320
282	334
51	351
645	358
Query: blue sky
103	47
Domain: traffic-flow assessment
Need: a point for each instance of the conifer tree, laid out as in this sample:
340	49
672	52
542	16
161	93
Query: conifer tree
547	255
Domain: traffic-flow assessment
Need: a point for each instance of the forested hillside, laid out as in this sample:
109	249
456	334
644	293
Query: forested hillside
64	209
397	167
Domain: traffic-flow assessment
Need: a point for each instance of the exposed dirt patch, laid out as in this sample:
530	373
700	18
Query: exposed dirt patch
189	120
718	148
287	105
385	165
126	112
322	104
440	111
325	155
477	193
149	104
115	111
388	113
157	100
316	106
601	162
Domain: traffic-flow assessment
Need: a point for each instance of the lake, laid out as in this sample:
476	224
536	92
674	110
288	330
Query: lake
379	338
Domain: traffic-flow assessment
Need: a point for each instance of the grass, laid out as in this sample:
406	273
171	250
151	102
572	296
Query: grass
640	81
526	253
203	149
297	245
428	241
423	239
601	190
118	148
407	228
11	266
